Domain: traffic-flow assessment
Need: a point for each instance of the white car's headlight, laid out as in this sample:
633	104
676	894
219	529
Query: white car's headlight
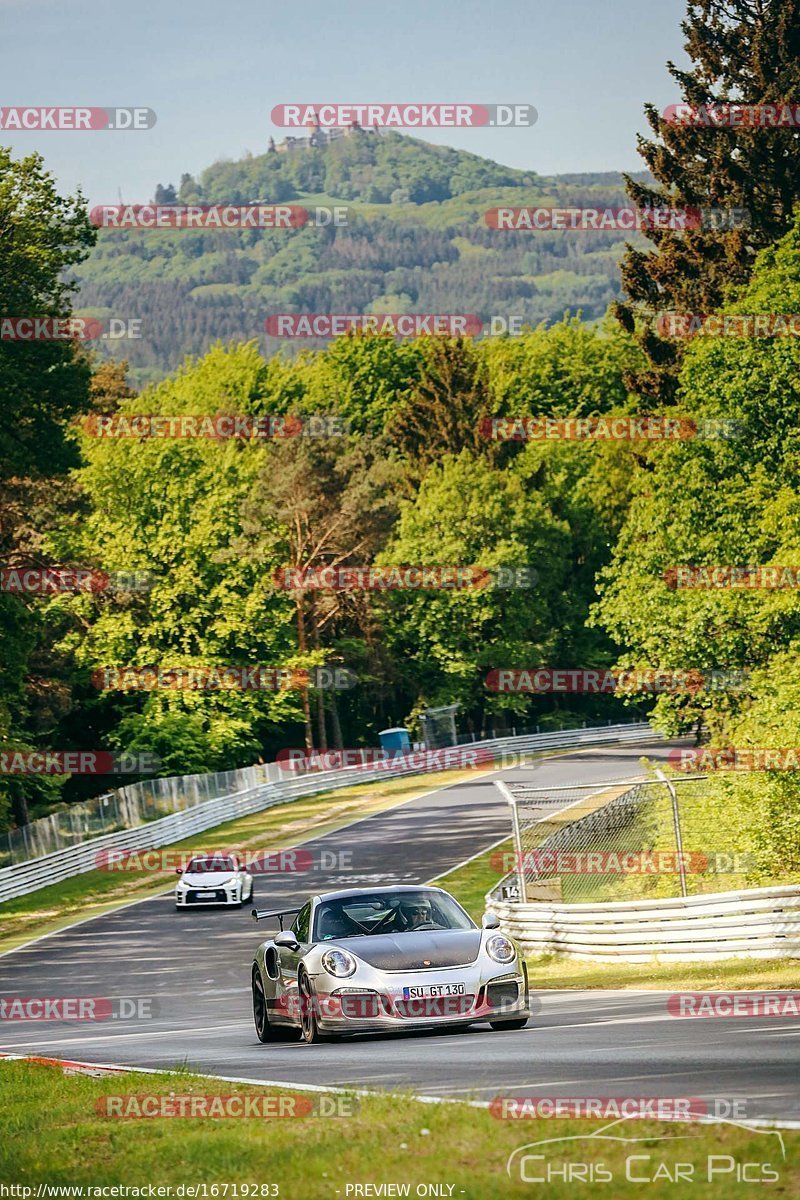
338	963
182	884
500	949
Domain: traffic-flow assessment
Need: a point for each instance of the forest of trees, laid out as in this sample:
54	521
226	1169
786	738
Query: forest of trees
413	481
405	248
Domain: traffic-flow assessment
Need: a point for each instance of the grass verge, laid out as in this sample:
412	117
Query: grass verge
55	1135
284	825
470	883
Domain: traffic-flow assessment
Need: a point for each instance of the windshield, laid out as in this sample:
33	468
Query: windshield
209	863
388	912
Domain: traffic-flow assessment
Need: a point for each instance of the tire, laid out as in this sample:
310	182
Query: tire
517	1023
265	1031
309	1029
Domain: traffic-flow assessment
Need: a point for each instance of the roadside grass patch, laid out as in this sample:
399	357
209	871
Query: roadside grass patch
54	1134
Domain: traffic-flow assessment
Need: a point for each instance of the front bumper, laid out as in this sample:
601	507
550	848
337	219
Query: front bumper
221	899
351	1008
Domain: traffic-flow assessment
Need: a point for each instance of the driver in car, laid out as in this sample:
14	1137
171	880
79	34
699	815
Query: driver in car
416	913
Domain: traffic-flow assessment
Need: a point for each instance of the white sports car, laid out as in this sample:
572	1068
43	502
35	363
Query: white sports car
372	959
213	879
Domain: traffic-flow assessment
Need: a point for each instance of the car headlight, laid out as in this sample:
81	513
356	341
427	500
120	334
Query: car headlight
338	963
500	949
182	884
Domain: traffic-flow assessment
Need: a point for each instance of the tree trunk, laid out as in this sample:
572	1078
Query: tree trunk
19	808
302	646
321	730
336	728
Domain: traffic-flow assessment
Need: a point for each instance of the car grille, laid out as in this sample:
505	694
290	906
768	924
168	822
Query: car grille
210	896
502	995
360	1004
435	1006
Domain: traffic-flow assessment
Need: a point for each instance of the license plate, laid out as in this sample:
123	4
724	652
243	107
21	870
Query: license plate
206	895
434	989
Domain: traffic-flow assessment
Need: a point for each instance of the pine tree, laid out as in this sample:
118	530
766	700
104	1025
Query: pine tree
746	52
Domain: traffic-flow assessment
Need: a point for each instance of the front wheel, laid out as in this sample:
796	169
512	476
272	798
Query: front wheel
517	1023
308	1011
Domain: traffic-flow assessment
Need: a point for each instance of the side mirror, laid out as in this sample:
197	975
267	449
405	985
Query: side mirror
286	938
490	920
179	870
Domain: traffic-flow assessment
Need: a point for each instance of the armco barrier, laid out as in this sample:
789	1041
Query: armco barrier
754	923
262	792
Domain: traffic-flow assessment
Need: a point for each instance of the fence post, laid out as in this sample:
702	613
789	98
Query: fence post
676	818
512	801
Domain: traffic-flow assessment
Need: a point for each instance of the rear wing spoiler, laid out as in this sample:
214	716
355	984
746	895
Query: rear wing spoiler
262	915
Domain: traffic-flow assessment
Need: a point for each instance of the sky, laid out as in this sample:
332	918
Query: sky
213	70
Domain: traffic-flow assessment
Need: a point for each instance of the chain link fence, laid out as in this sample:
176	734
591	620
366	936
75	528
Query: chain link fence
150	799
623	840
128	807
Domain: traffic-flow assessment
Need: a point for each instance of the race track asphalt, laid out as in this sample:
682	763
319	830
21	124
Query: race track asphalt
192	970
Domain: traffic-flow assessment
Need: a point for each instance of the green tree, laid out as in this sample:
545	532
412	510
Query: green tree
718	501
43	383
742	51
446	641
171	508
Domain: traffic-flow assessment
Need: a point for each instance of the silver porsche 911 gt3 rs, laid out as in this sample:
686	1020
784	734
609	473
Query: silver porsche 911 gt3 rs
372	959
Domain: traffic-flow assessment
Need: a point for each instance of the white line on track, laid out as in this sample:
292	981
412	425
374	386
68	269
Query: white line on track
363	1092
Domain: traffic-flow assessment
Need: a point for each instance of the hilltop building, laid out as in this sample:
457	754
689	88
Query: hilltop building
318	137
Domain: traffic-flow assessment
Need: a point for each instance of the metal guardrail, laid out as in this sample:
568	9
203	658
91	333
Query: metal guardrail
753	923
263	792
